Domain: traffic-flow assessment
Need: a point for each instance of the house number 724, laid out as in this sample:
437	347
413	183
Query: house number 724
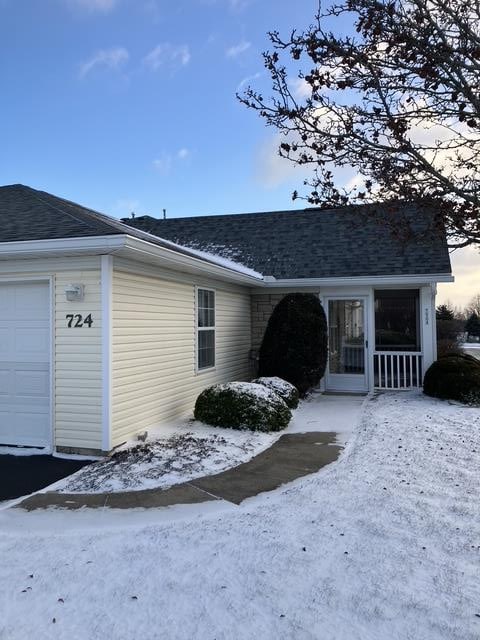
75	320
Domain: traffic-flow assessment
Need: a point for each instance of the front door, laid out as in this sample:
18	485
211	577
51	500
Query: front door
347	346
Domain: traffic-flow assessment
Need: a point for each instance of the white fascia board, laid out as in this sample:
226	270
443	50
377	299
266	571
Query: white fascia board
373	281
120	243
58	246
127	245
180	261
107	331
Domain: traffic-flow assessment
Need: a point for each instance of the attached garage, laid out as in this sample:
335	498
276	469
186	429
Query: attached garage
25	364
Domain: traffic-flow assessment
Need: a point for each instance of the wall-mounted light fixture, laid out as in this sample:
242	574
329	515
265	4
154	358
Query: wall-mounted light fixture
75	292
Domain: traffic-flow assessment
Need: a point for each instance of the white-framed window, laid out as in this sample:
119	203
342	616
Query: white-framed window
205	329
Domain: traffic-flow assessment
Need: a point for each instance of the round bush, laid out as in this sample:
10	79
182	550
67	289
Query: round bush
284	389
454	377
242	405
294	346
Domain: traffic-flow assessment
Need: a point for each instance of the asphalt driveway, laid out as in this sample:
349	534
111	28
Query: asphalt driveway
21	475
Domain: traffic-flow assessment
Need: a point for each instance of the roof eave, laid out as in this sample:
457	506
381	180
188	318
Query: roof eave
385	280
126	246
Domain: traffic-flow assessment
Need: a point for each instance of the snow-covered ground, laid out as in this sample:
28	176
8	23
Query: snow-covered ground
382	545
472	348
176	454
188	449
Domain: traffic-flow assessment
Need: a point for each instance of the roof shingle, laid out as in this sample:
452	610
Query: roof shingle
313	243
306	243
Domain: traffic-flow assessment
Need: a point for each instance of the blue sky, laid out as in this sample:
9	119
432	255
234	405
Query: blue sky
130	104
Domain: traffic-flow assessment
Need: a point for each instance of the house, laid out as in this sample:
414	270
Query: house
109	329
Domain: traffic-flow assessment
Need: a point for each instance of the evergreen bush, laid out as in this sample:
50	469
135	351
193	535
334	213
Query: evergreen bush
454	377
294	346
242	405
288	392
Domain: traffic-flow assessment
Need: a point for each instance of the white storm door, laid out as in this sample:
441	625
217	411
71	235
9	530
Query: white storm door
25	364
347	347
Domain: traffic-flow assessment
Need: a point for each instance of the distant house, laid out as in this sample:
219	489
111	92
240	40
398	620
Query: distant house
108	329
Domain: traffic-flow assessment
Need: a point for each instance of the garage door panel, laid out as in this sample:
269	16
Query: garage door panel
32	302
7	302
31	341
5	382
6	339
32	383
24	364
23	427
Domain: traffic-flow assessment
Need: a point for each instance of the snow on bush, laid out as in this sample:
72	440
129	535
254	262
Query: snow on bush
454	377
242	405
288	392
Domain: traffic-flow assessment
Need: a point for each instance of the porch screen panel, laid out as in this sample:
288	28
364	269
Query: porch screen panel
346	336
397	320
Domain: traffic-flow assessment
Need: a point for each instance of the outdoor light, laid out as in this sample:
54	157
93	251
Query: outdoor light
74	292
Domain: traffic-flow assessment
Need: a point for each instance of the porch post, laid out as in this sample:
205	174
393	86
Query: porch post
370	315
428	325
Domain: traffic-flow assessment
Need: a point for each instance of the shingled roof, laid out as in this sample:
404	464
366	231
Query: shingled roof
307	243
29	214
313	243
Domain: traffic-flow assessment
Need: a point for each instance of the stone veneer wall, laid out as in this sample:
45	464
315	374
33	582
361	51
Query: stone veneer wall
262	307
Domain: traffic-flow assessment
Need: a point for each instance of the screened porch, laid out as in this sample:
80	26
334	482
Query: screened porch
397	357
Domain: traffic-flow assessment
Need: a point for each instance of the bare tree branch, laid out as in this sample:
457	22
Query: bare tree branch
397	98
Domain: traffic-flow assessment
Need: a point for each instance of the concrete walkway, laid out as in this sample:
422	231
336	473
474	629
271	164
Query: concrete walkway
294	455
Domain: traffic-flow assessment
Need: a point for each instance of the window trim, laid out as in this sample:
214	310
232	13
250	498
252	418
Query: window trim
213	328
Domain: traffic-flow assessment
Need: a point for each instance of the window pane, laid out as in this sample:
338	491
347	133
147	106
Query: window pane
206	349
346	336
211	317
206	308
397	320
209	299
203	317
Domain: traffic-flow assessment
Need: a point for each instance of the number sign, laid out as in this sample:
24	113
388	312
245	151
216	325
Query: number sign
77	321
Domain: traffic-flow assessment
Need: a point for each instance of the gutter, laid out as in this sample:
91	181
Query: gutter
187	260
271	282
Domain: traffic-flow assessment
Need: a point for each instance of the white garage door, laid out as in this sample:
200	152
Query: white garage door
25	364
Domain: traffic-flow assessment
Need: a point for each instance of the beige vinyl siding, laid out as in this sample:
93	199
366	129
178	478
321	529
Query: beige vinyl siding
78	370
76	353
153	348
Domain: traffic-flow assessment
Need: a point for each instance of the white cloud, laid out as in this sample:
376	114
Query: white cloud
234	5
466	269
93	6
238	49
301	89
163	164
167	54
239	5
272	170
112	58
246	81
183	153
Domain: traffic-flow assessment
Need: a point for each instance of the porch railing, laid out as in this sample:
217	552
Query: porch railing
397	369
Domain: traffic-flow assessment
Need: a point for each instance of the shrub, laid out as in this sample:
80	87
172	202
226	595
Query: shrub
294	346
242	405
454	377
288	392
